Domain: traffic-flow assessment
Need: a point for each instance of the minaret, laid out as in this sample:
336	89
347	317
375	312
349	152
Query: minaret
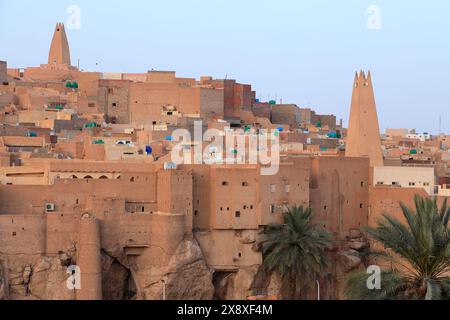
363	136
59	49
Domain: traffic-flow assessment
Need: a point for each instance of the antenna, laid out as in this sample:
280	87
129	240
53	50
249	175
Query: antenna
440	124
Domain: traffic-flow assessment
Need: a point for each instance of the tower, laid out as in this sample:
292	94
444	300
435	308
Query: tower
59	49
363	136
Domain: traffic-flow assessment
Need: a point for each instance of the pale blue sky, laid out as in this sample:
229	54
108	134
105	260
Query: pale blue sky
304	52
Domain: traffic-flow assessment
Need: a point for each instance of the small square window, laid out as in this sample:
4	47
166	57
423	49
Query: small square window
238	214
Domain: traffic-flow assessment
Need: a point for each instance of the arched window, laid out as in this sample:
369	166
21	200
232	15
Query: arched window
88	177
73	177
103	177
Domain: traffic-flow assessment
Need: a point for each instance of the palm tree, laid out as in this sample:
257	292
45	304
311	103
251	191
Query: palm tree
295	250
418	255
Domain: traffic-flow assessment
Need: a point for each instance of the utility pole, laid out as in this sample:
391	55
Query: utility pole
318	289
163	282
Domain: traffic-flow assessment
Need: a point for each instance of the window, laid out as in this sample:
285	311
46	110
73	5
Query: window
287	188
426	184
225	183
273	188
238	214
361	205
380	183
245	184
272	208
362	183
411	184
114	104
196	213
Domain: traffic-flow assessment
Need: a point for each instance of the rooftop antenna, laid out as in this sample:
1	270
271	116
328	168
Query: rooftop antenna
440	124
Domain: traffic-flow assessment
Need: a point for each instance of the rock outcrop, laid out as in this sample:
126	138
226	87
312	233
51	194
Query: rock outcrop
235	285
186	277
43	279
4	290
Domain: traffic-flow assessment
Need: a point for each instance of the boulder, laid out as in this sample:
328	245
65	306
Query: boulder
358	245
349	260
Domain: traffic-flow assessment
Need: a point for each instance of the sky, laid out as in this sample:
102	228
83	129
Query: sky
302	52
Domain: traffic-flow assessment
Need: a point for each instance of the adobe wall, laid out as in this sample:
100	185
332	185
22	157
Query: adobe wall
386	200
44	74
286	114
234	197
174	194
325	120
201	196
146	101
88	83
71	195
3	72
22	234
211	102
114	100
339	192
289	187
